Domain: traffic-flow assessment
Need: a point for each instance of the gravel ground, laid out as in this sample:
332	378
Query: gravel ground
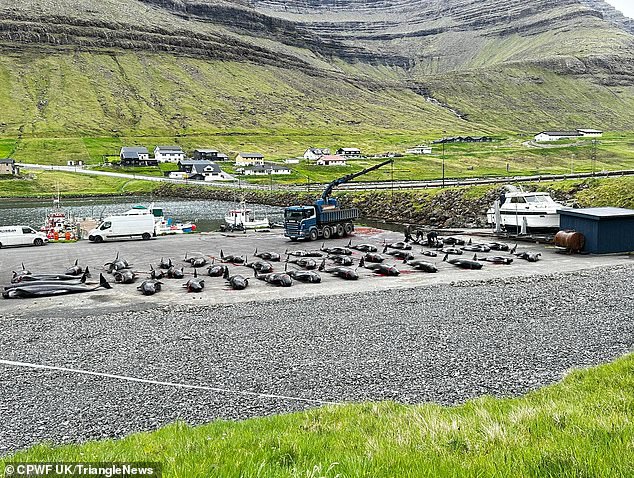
444	343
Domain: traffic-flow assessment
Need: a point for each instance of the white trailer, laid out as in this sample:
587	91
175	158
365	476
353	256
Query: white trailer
116	227
21	236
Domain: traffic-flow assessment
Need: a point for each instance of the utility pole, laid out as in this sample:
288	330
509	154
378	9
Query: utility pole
444	139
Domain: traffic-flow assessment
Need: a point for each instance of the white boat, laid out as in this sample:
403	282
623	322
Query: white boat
533	210
162	225
244	218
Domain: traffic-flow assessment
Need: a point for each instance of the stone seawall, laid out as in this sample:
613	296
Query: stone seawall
438	208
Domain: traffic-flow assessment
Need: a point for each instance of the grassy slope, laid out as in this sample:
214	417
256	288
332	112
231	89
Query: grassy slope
581	427
46	183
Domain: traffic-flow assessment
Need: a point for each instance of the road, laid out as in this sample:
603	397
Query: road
357	186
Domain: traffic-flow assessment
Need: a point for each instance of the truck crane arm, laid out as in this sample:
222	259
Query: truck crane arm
350	177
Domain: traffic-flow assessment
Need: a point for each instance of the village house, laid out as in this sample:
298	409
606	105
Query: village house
331	160
313	154
556	135
292	161
199	170
169	154
8	167
592	133
249	159
264	169
349	152
420	149
136	156
212	155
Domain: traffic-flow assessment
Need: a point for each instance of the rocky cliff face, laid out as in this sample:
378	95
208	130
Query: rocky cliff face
611	14
428	36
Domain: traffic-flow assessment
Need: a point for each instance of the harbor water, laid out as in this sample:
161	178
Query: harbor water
207	215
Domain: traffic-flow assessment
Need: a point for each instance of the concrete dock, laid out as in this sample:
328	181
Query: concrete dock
57	257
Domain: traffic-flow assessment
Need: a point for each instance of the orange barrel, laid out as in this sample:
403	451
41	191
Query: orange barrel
68	235
56	236
571	240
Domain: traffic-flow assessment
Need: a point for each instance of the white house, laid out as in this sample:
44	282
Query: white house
331	160
264	170
420	149
249	159
200	170
313	154
556	135
592	133
292	161
169	154
349	152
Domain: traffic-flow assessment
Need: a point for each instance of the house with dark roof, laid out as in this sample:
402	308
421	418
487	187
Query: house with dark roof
349	152
136	156
8	167
313	154
249	159
264	169
198	170
209	155
556	135
169	154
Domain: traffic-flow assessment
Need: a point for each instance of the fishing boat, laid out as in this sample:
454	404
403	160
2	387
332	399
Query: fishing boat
59	225
244	218
517	209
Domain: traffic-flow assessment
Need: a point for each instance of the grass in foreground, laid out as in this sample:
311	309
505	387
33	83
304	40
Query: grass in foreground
581	427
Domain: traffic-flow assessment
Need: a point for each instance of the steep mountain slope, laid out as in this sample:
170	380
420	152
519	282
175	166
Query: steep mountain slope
189	66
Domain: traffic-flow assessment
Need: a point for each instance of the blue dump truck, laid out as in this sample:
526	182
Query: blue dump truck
324	219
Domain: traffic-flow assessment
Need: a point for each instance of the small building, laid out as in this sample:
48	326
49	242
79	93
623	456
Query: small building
313	154
591	133
606	229
420	149
249	159
8	167
198	170
136	156
331	160
556	135
264	170
292	161
169	154
349	152
212	155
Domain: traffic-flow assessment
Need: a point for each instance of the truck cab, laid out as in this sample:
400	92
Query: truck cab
299	221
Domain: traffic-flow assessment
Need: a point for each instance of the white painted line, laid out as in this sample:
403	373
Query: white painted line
12	363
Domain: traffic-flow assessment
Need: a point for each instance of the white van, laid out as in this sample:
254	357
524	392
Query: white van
113	227
21	236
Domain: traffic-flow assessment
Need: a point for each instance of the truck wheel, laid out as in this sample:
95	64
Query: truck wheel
146	236
313	235
98	239
348	228
340	231
0	245
38	242
326	232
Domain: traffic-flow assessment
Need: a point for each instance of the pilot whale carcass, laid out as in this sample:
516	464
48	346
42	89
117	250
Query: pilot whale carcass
150	287
236	282
35	289
382	269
